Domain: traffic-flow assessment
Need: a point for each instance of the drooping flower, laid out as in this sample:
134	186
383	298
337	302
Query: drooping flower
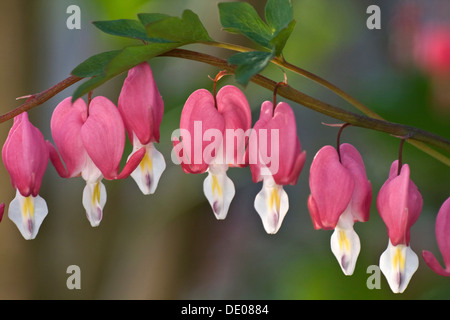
25	156
275	157
341	194
212	132
90	146
399	203
443	240
142	108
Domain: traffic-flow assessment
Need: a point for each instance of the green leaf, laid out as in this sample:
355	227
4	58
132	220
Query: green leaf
187	29
280	39
120	62
126	28
147	18
94	65
133	55
241	17
249	63
279	14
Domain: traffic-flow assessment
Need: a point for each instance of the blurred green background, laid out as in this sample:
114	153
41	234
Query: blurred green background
169	245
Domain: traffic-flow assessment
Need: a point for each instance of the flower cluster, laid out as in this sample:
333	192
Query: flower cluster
216	133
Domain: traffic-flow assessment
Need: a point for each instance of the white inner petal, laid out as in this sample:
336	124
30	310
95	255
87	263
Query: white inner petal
272	204
219	190
27	213
345	243
398	264
149	171
94	200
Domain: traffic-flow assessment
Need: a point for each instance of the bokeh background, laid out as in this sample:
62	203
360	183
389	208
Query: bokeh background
169	245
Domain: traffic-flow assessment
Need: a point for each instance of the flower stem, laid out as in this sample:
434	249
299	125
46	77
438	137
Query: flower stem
39	98
419	138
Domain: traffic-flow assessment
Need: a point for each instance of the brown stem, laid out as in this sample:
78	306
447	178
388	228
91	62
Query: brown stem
39	98
416	135
339	139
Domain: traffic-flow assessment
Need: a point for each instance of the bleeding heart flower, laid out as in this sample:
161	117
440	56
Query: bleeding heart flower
213	133
399	203
91	146
341	194
443	240
25	156
142	108
275	157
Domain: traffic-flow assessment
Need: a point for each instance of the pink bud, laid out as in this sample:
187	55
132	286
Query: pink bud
443	240
141	105
274	147
399	203
25	156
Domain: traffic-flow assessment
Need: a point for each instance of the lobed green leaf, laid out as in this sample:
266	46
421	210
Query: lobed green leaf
114	64
126	28
241	17
279	14
187	29
94	65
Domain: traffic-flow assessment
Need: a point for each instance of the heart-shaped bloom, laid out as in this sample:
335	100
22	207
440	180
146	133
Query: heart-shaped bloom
142	108
443	240
341	194
399	203
91	146
213	131
275	157
25	156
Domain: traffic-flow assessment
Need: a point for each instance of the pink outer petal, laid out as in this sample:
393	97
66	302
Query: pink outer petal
2	210
25	156
331	188
362	193
200	113
233	106
141	104
434	265
443	231
443	240
290	157
66	123
399	203
103	136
